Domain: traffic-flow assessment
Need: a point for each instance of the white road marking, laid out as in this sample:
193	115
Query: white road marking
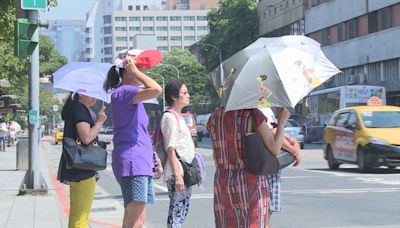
196	196
299	177
378	181
342	191
161	187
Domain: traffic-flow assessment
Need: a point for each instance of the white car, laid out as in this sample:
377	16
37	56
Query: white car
294	130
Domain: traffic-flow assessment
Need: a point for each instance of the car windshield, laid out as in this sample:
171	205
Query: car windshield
381	119
291	123
60	130
188	120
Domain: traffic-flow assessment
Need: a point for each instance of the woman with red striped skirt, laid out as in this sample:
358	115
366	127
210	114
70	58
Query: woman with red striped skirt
240	197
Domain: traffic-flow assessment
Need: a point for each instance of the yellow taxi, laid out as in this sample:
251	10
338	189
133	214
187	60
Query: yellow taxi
368	136
59	134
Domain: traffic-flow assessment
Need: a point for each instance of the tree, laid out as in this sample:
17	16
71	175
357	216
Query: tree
14	69
192	73
233	26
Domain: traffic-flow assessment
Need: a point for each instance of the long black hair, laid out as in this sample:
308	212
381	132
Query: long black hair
69	105
114	78
172	90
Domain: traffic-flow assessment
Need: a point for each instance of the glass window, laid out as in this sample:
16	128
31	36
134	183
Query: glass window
342	118
120	28
108	50
353	31
107	40
120	48
161	18
162	28
120	18
332	121
175	18
178	38
189	38
107	30
162	48
106	19
372	22
325	36
341	32
130	7
162	38
188	28
148	28
176	47
176	28
188	18
201	18
385	18
134	18
134	28
121	38
137	7
203	28
148	18
381	119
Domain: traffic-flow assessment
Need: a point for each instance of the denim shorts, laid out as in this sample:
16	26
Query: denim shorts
137	188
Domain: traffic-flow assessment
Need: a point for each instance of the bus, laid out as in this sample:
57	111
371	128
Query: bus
323	103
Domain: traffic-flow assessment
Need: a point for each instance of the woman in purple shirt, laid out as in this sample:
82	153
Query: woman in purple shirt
132	158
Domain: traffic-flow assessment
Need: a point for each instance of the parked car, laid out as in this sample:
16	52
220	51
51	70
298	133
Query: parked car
364	135
191	123
108	130
59	134
201	126
294	129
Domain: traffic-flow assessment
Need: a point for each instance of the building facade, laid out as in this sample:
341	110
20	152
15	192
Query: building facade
361	38
69	38
281	17
112	28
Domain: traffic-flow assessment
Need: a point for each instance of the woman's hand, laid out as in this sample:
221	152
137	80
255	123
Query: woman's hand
179	183
101	116
130	64
283	114
295	151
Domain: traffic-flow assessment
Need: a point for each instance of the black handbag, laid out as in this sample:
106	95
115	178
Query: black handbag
191	171
259	160
86	157
285	159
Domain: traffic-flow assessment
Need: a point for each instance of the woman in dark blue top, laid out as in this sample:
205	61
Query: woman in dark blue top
80	122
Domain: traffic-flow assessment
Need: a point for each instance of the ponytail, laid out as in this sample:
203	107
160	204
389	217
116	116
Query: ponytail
68	105
113	78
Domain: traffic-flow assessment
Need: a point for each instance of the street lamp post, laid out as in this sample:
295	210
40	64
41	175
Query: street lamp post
172	66
221	69
163	86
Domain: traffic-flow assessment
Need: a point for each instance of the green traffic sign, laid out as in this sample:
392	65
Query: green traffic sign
33	117
33	4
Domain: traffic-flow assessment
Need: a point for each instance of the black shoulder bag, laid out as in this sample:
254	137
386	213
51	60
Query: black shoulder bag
259	160
87	157
191	171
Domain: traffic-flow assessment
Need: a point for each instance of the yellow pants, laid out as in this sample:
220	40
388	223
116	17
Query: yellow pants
81	198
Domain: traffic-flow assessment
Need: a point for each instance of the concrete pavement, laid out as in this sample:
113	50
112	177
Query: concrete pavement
49	210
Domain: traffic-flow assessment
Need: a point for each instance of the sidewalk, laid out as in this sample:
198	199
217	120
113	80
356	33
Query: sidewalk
50	210
26	211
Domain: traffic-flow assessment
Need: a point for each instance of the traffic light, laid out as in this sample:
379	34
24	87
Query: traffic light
24	30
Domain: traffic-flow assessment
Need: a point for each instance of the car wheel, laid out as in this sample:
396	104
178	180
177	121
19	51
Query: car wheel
332	163
362	167
390	167
56	143
301	145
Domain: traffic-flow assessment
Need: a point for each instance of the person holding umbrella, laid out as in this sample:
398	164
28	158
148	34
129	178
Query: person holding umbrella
132	158
240	197
80	123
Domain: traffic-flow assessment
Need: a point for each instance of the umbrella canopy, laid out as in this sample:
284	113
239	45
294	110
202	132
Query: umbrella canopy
83	77
273	72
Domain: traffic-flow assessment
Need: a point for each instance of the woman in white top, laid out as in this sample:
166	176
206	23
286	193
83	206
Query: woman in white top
177	140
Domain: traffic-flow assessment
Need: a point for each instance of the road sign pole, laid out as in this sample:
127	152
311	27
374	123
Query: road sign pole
34	181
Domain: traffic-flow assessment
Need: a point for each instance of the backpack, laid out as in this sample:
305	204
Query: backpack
160	155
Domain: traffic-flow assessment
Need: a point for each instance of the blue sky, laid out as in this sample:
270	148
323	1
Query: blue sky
68	9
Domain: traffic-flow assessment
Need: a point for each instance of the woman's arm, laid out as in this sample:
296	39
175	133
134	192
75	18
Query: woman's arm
86	133
173	161
274	141
152	88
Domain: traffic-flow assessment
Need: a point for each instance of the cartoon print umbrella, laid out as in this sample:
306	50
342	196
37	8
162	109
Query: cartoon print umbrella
273	72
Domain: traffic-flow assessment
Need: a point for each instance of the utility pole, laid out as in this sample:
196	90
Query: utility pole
33	181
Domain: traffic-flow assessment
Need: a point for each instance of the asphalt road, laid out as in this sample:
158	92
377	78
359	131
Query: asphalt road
312	195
